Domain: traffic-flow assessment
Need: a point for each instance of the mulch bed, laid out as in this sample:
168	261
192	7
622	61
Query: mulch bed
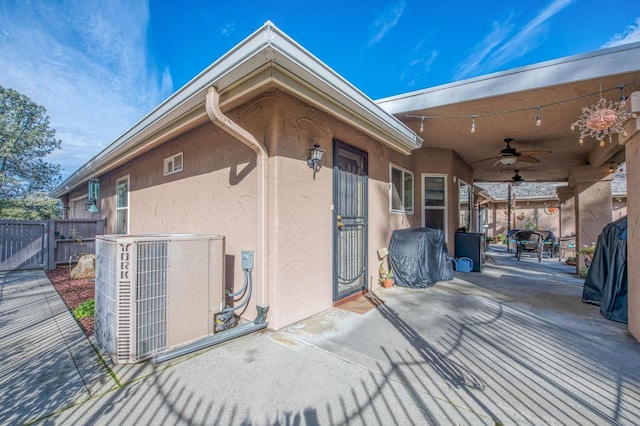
73	293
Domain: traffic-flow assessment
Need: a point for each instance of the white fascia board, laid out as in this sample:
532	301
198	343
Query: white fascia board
267	44
602	63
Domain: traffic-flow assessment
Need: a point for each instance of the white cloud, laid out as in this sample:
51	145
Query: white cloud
496	49
87	64
530	37
385	21
631	34
228	29
473	62
419	66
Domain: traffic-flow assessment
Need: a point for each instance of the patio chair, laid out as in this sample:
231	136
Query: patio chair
550	245
529	242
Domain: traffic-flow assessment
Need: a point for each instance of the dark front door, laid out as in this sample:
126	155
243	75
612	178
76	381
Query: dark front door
350	220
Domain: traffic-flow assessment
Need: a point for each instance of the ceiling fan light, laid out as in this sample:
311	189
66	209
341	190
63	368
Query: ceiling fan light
507	161
516	182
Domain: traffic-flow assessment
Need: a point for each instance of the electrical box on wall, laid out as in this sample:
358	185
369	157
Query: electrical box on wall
247	259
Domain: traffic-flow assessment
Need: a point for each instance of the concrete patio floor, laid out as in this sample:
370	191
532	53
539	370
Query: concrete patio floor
511	345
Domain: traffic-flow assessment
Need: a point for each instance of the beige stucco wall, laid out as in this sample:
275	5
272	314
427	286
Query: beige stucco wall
446	162
215	193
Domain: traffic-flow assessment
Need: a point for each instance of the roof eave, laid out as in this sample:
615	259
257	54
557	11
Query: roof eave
556	72
266	45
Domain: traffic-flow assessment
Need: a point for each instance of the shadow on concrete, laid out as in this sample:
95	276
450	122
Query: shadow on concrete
456	353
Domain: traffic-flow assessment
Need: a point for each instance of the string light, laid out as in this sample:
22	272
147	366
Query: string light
536	108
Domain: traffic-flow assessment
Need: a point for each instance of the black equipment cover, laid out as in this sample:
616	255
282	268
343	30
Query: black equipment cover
419	257
607	282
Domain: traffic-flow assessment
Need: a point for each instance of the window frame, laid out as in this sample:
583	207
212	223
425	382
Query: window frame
405	173
444	207
172	160
125	208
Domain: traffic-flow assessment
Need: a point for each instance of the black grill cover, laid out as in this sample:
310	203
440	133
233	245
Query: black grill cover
606	283
419	257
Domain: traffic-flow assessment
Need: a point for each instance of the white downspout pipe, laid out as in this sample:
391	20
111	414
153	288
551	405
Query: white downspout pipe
262	169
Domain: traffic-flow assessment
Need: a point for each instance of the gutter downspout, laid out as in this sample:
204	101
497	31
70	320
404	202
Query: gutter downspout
262	167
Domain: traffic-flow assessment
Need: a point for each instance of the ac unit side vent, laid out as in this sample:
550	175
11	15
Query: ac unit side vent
151	297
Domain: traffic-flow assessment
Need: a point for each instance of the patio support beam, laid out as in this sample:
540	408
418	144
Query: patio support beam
632	154
592	204
567	197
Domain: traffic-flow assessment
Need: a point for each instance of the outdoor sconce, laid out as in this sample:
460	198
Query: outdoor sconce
315	155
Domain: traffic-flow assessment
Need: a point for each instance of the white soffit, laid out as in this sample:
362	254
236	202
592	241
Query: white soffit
572	69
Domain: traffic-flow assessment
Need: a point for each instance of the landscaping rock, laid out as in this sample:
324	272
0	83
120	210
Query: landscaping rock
86	267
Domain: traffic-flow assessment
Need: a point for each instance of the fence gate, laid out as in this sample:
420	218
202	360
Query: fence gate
22	244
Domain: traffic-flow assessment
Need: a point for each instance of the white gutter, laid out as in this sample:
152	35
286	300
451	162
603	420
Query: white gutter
262	168
266	46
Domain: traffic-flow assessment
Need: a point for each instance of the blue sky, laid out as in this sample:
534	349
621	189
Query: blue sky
99	66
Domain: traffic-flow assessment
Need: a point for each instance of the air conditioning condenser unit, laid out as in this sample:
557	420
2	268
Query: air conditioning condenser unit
156	292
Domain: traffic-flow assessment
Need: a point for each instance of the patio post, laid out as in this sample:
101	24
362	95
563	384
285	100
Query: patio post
631	144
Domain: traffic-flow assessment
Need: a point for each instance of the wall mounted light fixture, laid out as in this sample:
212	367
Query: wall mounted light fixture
315	156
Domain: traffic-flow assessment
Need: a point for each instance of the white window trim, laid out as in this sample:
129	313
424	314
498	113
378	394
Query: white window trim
413	189
128	208
169	167
446	202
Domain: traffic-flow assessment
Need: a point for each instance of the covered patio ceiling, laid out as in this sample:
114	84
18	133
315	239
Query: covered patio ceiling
505	106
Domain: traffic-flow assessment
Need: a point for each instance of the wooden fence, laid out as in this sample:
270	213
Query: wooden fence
28	244
22	244
72	238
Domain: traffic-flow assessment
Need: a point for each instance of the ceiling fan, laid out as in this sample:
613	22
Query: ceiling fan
516	180
510	155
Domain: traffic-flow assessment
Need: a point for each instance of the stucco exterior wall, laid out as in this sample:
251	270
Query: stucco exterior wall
216	193
442	162
302	208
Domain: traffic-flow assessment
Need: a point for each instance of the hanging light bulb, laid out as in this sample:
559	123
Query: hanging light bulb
538	117
422	125
473	124
581	141
601	143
